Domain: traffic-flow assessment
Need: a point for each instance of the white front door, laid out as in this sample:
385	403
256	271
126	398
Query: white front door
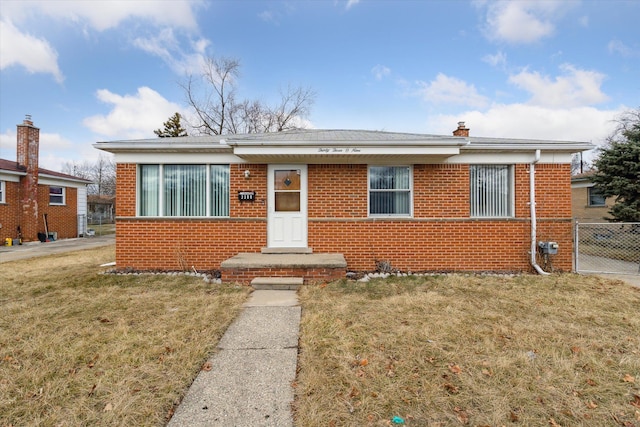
287	203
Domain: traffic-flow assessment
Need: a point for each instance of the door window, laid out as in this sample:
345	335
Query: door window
287	190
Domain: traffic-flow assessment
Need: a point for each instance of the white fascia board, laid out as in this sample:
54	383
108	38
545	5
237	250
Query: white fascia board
342	150
11	176
60	182
160	147
177	158
509	158
397	144
571	147
582	184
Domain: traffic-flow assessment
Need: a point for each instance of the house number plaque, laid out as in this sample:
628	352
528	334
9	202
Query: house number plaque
246	196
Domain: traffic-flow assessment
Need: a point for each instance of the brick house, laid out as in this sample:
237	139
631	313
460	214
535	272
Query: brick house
28	193
587	204
417	202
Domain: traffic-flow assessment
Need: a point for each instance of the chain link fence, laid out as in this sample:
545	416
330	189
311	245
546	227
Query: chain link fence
99	224
608	247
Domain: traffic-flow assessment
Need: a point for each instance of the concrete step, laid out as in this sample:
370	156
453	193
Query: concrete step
277	283
305	251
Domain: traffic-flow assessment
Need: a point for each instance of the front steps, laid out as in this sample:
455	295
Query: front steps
277	283
245	267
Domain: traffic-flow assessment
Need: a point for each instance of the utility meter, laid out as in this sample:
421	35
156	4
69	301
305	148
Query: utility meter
550	248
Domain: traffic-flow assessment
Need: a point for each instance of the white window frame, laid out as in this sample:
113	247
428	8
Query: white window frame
410	190
3	192
63	195
510	196
208	195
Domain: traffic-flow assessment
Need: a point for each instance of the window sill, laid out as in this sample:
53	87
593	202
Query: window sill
57	204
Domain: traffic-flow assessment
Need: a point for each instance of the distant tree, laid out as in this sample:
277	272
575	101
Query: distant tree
618	169
172	127
212	96
102	172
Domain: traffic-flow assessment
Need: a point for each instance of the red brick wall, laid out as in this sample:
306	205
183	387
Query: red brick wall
440	237
62	219
10	212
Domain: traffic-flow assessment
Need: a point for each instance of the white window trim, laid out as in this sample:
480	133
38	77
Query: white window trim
3	192
512	193
64	196
410	214
161	192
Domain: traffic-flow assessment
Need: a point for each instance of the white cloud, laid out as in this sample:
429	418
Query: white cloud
351	3
617	47
8	145
103	15
51	150
34	54
532	122
572	89
450	90
497	60
522	21
132	116
269	16
584	21
166	46
38	56
380	72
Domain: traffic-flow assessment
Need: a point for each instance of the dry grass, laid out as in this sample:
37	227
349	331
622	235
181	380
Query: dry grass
449	351
79	348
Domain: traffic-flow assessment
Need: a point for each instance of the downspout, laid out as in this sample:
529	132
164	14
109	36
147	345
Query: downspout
532	206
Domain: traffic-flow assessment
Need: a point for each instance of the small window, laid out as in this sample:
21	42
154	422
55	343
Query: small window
491	191
3	192
56	195
595	197
390	190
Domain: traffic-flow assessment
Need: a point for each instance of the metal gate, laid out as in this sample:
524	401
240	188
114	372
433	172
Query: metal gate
612	247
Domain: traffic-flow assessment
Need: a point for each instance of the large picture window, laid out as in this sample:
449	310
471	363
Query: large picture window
491	191
183	190
390	190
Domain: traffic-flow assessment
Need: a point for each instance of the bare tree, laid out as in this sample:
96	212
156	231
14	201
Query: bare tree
212	96
102	172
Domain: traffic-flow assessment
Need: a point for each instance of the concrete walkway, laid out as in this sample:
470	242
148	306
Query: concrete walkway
37	249
250	381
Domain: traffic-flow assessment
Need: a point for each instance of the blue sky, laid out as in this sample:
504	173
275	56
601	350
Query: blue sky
92	71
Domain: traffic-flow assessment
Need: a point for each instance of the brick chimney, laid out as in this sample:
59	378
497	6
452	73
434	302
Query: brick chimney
27	159
462	130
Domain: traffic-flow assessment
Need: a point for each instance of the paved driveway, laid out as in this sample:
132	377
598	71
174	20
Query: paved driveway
36	249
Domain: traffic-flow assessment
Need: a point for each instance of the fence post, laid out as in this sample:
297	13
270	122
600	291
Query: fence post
575	247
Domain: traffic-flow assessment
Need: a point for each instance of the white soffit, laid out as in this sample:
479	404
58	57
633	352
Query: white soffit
321	154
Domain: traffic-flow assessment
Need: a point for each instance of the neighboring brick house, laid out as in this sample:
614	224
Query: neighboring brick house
28	193
587	204
419	202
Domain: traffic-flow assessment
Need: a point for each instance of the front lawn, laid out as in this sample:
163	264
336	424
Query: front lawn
450	351
80	348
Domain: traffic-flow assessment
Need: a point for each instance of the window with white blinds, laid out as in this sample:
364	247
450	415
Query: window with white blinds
491	191
390	190
183	190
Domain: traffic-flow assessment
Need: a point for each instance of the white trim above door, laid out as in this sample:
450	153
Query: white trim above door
287	206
